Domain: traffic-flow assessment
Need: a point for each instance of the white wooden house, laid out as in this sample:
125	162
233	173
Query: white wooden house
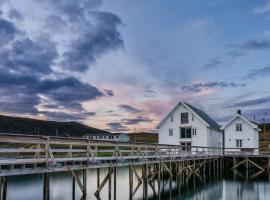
188	125
241	133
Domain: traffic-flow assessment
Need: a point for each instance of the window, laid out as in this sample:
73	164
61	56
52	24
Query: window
184	118
171	132
171	118
192	117
185	132
186	146
239	143
238	127
194	131
219	144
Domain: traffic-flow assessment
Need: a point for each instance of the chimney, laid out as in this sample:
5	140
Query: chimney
239	112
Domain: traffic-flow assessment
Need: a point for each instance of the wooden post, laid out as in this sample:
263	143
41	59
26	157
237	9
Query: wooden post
145	180
114	183
110	184
84	183
170	165
73	188
46	186
98	178
159	166
130	183
3	188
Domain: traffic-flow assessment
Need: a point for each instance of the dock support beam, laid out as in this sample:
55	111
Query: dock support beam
3	188
114	183
82	185
130	183
46	186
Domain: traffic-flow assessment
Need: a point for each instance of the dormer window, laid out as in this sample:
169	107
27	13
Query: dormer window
238	127
184	118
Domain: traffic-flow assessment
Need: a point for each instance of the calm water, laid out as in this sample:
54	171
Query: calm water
227	187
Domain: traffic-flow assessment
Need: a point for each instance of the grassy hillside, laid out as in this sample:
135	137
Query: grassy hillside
143	137
18	125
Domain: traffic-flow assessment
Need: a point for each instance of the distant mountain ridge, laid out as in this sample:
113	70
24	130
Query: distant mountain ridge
20	125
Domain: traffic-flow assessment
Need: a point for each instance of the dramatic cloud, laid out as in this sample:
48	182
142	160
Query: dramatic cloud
28	56
265	71
30	80
129	108
214	62
252	102
103	37
197	87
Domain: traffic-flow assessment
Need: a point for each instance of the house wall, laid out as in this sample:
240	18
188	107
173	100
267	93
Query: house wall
200	139
214	138
249	135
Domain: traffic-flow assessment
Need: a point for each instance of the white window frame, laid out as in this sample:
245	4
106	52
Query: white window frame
194	131
238	127
239	143
170	132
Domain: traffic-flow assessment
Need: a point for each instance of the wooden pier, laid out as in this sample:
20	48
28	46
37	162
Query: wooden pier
23	154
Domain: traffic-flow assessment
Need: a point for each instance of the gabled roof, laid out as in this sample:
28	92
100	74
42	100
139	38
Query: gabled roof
206	119
253	125
212	123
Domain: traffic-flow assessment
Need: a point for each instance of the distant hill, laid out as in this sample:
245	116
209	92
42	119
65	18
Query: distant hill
143	137
19	125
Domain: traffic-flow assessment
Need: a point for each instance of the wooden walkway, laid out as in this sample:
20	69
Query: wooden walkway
26	154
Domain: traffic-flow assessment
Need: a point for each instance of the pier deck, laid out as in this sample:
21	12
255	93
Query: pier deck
27	154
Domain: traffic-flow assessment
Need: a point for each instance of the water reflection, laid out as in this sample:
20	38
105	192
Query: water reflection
227	186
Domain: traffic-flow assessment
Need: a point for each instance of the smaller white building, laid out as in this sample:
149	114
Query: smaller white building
240	134
116	137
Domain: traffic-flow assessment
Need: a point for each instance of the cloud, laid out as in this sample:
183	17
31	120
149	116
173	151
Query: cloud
129	108
15	14
102	37
108	92
28	56
236	53
32	58
137	120
263	8
150	93
197	87
7	31
265	71
23	93
117	127
253	44
214	62
252	102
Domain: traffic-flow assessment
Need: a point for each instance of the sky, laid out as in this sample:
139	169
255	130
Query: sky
121	65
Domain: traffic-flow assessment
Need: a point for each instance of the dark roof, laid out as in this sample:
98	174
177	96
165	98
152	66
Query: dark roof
212	123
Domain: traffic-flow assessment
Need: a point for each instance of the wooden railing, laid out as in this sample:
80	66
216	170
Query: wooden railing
50	151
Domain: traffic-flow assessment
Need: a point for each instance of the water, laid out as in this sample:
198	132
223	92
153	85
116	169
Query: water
225	187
